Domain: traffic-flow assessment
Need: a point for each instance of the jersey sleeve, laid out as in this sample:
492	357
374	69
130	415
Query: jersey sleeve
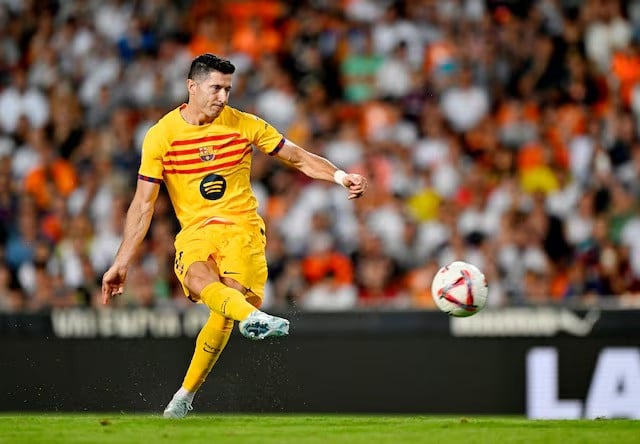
151	167
262	135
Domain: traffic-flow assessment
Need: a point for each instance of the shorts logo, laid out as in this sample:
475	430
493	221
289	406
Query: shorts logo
213	187
206	153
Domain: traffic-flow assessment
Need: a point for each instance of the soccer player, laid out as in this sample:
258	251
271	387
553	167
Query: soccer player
202	151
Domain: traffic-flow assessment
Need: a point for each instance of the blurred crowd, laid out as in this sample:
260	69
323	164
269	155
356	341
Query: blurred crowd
502	133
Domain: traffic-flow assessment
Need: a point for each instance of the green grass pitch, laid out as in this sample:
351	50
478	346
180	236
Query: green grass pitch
300	429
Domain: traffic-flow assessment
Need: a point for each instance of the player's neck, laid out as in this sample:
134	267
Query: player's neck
194	117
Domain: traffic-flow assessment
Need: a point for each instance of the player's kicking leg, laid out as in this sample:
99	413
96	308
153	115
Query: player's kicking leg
259	325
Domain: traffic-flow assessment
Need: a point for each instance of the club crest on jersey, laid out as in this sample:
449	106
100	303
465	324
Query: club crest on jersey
206	153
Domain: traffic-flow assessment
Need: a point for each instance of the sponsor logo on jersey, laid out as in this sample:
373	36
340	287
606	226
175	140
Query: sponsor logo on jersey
213	187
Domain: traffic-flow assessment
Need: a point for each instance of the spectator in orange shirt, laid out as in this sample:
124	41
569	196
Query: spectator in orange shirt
625	67
55	175
207	36
324	259
254	39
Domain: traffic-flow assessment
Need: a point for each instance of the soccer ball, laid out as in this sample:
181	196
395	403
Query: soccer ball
460	289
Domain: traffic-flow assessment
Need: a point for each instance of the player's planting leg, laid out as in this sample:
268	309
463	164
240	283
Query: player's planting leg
212	339
179	405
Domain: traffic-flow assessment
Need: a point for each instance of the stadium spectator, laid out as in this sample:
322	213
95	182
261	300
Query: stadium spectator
24	100
376	275
394	75
11	300
52	177
359	67
464	105
23	235
8	200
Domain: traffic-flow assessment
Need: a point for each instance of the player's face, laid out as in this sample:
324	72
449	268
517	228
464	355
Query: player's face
211	93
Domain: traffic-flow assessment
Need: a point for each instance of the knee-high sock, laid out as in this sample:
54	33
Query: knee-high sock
210	342
226	301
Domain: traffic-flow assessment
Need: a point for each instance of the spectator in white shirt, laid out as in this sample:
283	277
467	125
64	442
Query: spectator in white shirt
464	105
19	99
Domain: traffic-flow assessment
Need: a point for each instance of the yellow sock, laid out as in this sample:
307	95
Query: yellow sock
210	342
227	301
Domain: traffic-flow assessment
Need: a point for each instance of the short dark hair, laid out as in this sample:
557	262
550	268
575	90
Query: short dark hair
205	63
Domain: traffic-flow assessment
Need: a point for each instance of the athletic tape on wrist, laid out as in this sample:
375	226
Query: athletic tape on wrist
339	176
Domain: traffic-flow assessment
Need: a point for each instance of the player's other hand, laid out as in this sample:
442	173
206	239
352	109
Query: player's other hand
356	184
113	282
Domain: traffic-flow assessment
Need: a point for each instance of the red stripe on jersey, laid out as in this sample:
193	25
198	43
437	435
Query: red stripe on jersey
181	162
231	143
197	150
195	161
203	139
183	152
210	167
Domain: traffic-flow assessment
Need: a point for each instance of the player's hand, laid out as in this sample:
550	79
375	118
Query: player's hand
356	184
113	282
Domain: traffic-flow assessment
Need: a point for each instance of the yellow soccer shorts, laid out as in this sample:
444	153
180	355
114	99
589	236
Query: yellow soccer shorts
237	250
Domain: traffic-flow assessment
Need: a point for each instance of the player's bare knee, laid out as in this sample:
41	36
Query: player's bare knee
198	276
233	284
254	300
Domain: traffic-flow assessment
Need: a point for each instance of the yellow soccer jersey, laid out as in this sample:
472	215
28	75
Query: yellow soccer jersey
206	168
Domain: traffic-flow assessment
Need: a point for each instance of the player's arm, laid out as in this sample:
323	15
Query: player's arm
136	225
318	167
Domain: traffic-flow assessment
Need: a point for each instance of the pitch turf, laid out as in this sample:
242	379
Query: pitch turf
300	429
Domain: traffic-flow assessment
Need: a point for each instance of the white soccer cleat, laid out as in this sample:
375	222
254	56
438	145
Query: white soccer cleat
260	325
177	408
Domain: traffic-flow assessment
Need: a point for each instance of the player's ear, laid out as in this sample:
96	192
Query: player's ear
191	86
